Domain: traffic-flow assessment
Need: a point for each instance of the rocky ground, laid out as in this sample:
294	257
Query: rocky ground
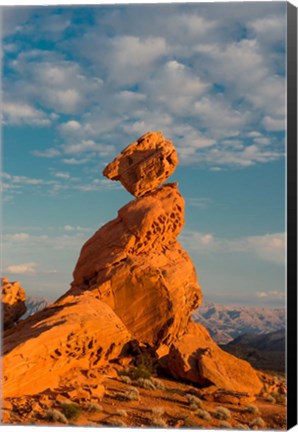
145	402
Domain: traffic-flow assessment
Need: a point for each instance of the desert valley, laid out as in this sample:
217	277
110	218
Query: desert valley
127	345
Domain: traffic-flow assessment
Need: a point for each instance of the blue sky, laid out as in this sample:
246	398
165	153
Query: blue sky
81	83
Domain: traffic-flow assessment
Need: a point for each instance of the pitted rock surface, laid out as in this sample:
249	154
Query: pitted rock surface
135	264
144	165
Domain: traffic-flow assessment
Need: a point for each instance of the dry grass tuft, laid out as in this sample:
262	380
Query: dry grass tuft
93	407
222	413
257	423
203	414
252	409
224	425
53	415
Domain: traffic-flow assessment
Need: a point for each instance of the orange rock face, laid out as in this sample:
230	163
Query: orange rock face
13	302
78	331
133	287
144	165
196	358
137	267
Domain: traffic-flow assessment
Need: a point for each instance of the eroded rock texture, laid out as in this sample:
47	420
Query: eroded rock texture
13	302
144	165
133	287
78	331
196	358
137	267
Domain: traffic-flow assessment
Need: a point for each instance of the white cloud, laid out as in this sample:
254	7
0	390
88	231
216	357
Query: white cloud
26	268
130	58
87	146
70	126
269	29
62	175
18	112
73	161
241	157
270	294
274	124
48	153
269	247
76	228
44	78
18	237
22	180
201	203
176	86
219	117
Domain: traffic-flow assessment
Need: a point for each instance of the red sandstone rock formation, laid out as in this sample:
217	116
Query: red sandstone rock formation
144	165
13	302
196	358
135	265
133	284
76	332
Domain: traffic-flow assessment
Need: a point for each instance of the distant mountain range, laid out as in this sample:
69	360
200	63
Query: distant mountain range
233	325
35	304
225	323
265	351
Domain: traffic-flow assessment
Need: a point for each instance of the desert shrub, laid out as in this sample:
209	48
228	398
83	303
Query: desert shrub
145	383
121	413
147	361
252	409
279	398
125	379
140	371
222	413
53	415
242	426
157	384
194	402
124	371
188	422
257	422
159	422
116	422
71	410
224	425
131	394
203	414
158	411
270	399
93	407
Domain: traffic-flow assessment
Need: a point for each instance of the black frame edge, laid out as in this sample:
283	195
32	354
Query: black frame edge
291	354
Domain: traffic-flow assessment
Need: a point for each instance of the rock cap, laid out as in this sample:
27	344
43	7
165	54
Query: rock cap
144	165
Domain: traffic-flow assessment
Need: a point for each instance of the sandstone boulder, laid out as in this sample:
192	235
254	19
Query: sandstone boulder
144	165
196	358
136	266
43	350
13	302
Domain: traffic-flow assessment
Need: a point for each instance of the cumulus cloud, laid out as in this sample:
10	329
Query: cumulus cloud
48	80
25	269
48	153
269	247
270	294
202	78
201	203
18	113
18	237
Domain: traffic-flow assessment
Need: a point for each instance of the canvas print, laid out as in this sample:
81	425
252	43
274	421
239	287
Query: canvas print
144	215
